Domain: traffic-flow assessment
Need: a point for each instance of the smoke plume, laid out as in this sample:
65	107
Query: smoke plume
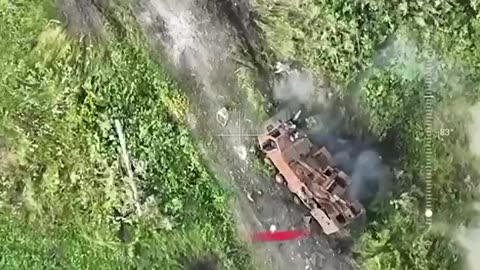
296	87
469	237
357	158
324	127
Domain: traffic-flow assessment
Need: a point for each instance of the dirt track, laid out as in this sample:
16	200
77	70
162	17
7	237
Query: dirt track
198	44
197	38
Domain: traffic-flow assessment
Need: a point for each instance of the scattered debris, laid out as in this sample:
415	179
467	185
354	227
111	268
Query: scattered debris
223	116
281	68
307	219
296	116
249	197
398	173
212	70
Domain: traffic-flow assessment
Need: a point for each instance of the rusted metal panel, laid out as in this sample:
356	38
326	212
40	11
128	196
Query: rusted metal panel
310	172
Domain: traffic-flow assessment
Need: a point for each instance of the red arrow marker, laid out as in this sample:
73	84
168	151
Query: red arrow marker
280	235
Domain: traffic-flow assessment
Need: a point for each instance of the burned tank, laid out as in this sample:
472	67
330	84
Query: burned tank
310	173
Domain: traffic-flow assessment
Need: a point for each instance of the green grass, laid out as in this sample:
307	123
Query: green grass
246	80
340	39
62	177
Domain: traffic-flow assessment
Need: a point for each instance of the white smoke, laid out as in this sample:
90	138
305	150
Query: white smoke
403	58
300	87
370	176
368	173
469	237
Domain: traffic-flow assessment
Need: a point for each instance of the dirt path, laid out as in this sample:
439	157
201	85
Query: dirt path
199	47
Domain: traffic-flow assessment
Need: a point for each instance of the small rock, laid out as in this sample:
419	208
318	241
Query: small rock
241	152
273	228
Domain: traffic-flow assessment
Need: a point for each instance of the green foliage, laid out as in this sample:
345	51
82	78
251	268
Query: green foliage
339	38
62	179
25	247
264	166
385	89
246	81
351	42
389	246
332	37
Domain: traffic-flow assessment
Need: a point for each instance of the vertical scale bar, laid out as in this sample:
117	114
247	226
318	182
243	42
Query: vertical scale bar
428	125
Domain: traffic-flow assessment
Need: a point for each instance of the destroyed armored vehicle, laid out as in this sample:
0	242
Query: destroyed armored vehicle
310	173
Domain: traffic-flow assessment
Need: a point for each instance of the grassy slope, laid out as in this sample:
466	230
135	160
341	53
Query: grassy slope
339	39
61	178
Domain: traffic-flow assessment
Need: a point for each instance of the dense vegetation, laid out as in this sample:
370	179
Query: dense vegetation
66	196
388	53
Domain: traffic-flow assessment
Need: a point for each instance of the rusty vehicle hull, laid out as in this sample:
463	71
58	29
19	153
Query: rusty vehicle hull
310	173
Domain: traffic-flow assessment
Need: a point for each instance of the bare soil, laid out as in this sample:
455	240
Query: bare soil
198	40
83	17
